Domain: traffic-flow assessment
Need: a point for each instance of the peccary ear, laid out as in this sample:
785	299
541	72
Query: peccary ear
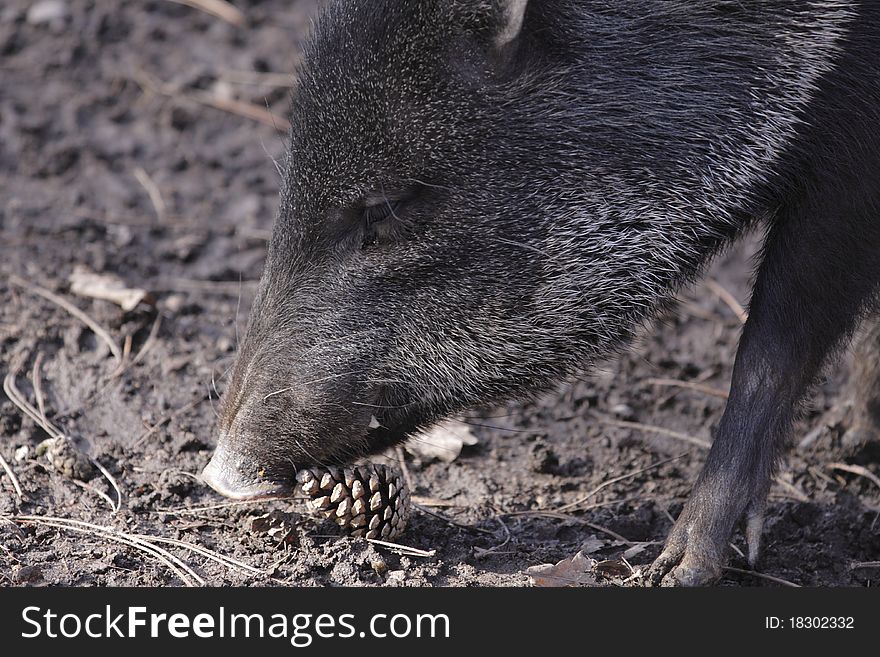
510	21
499	21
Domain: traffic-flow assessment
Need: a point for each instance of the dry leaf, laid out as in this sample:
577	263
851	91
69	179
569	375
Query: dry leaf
594	544
613	568
576	571
107	287
443	442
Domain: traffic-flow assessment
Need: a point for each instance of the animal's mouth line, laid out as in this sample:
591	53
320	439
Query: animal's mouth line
226	475
260	491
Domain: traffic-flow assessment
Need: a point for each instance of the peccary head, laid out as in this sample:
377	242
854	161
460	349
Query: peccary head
469	212
401	282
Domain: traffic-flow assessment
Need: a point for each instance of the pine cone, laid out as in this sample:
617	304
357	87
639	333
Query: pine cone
367	500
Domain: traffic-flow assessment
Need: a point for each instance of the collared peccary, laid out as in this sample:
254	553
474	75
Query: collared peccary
482	197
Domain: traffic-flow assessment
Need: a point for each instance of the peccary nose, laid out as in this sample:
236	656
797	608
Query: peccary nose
240	478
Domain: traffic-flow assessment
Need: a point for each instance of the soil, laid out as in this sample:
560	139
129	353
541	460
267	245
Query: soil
114	157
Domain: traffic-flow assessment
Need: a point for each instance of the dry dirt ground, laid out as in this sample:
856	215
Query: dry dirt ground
124	149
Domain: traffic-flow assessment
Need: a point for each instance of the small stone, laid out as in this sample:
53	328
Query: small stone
174	302
396	577
48	12
623	411
27	574
379	565
278	525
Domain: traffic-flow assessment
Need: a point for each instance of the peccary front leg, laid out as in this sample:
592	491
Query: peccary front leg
865	388
819	268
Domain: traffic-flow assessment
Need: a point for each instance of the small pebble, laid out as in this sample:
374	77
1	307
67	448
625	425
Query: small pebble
52	12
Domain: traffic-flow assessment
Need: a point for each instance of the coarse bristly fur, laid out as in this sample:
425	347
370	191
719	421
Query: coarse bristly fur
482	197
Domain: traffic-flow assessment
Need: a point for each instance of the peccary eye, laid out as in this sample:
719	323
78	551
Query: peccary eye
381	211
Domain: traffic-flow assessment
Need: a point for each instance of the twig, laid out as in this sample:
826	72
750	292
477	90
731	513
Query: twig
769	578
812	436
591	525
856	470
795	492
638	426
694	310
150	84
104	496
229	562
112	481
233	288
864	564
613	534
737	550
257	78
150	341
435	502
127	363
73	310
183	409
124	365
403	549
728	299
407	477
199	509
241	108
219	8
450	521
9	473
482	552
615	480
690	385
37	381
176	565
818	474
19	400
588	507
153	192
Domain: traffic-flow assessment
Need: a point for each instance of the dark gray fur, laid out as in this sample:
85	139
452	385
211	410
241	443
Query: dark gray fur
477	206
